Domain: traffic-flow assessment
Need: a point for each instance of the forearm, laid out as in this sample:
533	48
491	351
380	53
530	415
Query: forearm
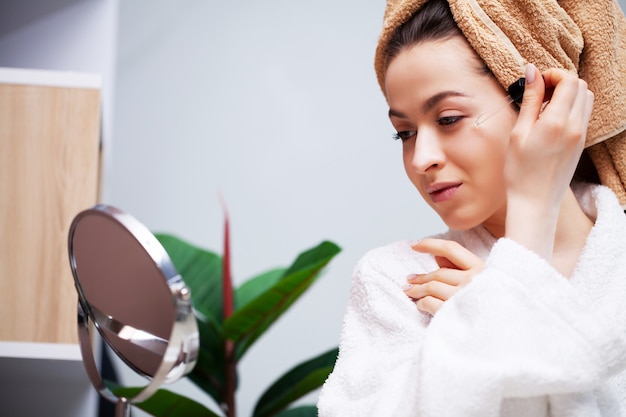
532	225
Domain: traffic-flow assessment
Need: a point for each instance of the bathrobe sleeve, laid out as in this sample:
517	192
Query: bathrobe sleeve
377	370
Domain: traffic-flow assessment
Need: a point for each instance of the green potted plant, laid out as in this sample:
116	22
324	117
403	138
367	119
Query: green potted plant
231	319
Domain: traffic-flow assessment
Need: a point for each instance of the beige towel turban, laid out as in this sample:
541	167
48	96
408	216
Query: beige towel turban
583	36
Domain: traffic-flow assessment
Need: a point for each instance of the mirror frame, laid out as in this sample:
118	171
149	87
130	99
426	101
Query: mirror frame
181	353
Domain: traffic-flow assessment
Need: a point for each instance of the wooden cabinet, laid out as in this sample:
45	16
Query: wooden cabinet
49	158
49	171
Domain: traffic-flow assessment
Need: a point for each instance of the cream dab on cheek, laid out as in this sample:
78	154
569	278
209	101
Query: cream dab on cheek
482	118
516	92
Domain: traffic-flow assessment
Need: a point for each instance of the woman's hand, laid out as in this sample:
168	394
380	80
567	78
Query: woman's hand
544	148
457	267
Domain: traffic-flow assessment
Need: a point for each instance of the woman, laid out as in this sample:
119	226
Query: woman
516	309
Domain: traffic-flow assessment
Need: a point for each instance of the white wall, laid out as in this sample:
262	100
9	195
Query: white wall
275	104
64	35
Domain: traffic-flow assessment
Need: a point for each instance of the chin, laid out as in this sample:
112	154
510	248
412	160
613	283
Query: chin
462	222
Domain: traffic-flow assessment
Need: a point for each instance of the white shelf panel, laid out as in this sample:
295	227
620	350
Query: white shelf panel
44	351
49	78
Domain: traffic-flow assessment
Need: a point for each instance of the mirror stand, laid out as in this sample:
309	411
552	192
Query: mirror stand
129	291
168	370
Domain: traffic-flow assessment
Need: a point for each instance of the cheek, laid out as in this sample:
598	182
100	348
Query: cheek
494	142
488	167
481	159
487	162
407	159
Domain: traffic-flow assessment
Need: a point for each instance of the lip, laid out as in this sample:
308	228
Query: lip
442	191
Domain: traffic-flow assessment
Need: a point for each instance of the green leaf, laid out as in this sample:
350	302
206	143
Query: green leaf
299	381
256	286
165	403
302	411
202	272
247	324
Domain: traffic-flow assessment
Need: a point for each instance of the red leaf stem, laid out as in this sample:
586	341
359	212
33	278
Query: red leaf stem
228	308
227	283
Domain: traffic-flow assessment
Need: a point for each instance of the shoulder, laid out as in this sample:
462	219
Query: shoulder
394	261
376	295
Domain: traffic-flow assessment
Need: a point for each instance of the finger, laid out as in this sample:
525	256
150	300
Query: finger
448	276
435	289
567	115
583	107
532	102
444	262
580	105
429	305
460	257
588	108
567	88
555	76
581	113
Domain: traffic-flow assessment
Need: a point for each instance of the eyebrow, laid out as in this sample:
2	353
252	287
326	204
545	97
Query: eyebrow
431	102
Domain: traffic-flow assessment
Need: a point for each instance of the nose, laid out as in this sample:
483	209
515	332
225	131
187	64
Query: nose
427	152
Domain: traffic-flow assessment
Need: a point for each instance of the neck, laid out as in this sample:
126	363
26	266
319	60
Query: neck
571	232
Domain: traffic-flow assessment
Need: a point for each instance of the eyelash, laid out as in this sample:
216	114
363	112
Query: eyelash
404	135
442	121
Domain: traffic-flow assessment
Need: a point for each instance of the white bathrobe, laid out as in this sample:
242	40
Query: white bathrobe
519	340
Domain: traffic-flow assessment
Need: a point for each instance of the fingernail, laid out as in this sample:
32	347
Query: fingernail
530	73
411	276
406	286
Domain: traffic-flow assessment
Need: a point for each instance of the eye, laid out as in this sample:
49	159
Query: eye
448	120
404	135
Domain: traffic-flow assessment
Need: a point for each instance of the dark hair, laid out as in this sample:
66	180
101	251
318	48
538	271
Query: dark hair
434	21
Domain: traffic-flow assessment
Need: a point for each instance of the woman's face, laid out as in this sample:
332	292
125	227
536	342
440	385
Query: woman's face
436	91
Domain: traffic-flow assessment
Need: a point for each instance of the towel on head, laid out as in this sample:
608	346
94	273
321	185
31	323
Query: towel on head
584	37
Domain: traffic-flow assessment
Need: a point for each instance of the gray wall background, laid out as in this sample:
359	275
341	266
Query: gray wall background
275	105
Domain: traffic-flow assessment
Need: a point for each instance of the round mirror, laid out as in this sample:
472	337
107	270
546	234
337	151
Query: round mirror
130	291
